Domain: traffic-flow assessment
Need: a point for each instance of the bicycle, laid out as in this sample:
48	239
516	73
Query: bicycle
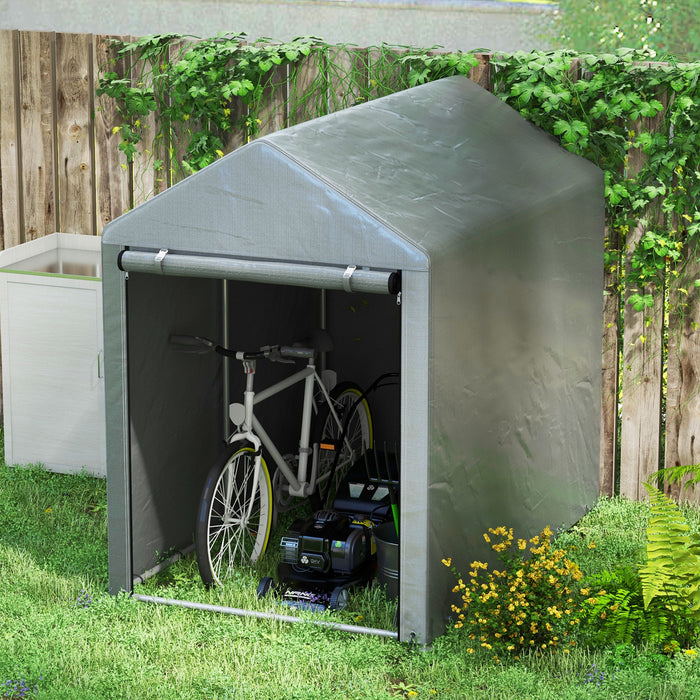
235	513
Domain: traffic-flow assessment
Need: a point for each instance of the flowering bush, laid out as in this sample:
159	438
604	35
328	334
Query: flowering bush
532	603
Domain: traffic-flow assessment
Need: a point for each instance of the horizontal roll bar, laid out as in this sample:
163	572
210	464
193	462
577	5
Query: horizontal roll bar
350	278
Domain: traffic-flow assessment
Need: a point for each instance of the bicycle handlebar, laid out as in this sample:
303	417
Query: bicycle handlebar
192	343
275	353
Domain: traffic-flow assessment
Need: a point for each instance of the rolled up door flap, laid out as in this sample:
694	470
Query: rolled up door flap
350	278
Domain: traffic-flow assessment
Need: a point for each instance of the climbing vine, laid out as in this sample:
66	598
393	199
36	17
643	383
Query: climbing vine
637	120
193	84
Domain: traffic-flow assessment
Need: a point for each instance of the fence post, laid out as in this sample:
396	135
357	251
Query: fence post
75	134
10	181
112	173
38	127
640	439
683	376
610	364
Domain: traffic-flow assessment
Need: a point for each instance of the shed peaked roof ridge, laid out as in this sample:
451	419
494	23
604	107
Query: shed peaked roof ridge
395	182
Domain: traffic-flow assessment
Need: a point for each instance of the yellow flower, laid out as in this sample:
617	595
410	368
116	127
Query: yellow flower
447	562
487	538
591	545
522	544
470	650
49	510
690	652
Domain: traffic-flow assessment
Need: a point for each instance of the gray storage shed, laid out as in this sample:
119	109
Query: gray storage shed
497	234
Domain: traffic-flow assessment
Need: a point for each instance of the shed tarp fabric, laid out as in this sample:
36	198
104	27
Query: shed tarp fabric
497	232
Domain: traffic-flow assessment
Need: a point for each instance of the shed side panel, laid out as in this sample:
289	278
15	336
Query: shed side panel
515	367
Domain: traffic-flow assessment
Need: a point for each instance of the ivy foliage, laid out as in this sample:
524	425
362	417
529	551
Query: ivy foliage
637	120
192	84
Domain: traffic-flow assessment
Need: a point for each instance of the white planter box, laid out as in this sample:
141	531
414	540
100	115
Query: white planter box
51	330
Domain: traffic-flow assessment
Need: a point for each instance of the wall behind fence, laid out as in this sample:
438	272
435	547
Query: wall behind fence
61	170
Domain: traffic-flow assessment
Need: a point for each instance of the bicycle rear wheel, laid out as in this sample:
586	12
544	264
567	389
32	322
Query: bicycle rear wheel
327	434
225	537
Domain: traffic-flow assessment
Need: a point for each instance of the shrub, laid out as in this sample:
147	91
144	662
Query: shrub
532	603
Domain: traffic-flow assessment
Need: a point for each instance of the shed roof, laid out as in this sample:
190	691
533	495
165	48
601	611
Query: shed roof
390	183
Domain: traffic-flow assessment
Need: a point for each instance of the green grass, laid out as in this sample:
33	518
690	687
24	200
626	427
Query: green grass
63	632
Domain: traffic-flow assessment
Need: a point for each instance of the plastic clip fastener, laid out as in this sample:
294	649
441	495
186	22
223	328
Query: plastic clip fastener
160	257
347	277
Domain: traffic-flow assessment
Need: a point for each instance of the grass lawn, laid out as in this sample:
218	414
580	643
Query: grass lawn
62	635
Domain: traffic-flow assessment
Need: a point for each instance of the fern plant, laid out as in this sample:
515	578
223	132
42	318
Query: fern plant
616	612
672	571
687	475
659	603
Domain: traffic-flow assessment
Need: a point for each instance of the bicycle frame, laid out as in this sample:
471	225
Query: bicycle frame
250	429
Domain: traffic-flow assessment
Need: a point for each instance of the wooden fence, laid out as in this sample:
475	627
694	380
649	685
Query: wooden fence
61	170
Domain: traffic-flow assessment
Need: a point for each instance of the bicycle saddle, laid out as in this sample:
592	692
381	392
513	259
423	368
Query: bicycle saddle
320	340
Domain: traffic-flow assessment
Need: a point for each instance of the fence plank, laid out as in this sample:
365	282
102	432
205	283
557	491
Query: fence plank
38	157
273	112
610	375
112	174
9	149
147	179
74	130
683	376
641	392
180	134
482	73
642	371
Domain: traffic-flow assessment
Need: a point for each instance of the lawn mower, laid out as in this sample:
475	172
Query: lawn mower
323	556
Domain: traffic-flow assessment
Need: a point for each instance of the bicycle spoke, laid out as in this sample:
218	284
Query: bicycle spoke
236	527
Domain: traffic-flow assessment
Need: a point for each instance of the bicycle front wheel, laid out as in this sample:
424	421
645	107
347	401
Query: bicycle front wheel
345	397
233	523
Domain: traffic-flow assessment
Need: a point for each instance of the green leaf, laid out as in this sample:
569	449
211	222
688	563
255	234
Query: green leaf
641	301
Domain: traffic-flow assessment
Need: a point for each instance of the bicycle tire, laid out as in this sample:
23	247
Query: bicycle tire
222	540
326	433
